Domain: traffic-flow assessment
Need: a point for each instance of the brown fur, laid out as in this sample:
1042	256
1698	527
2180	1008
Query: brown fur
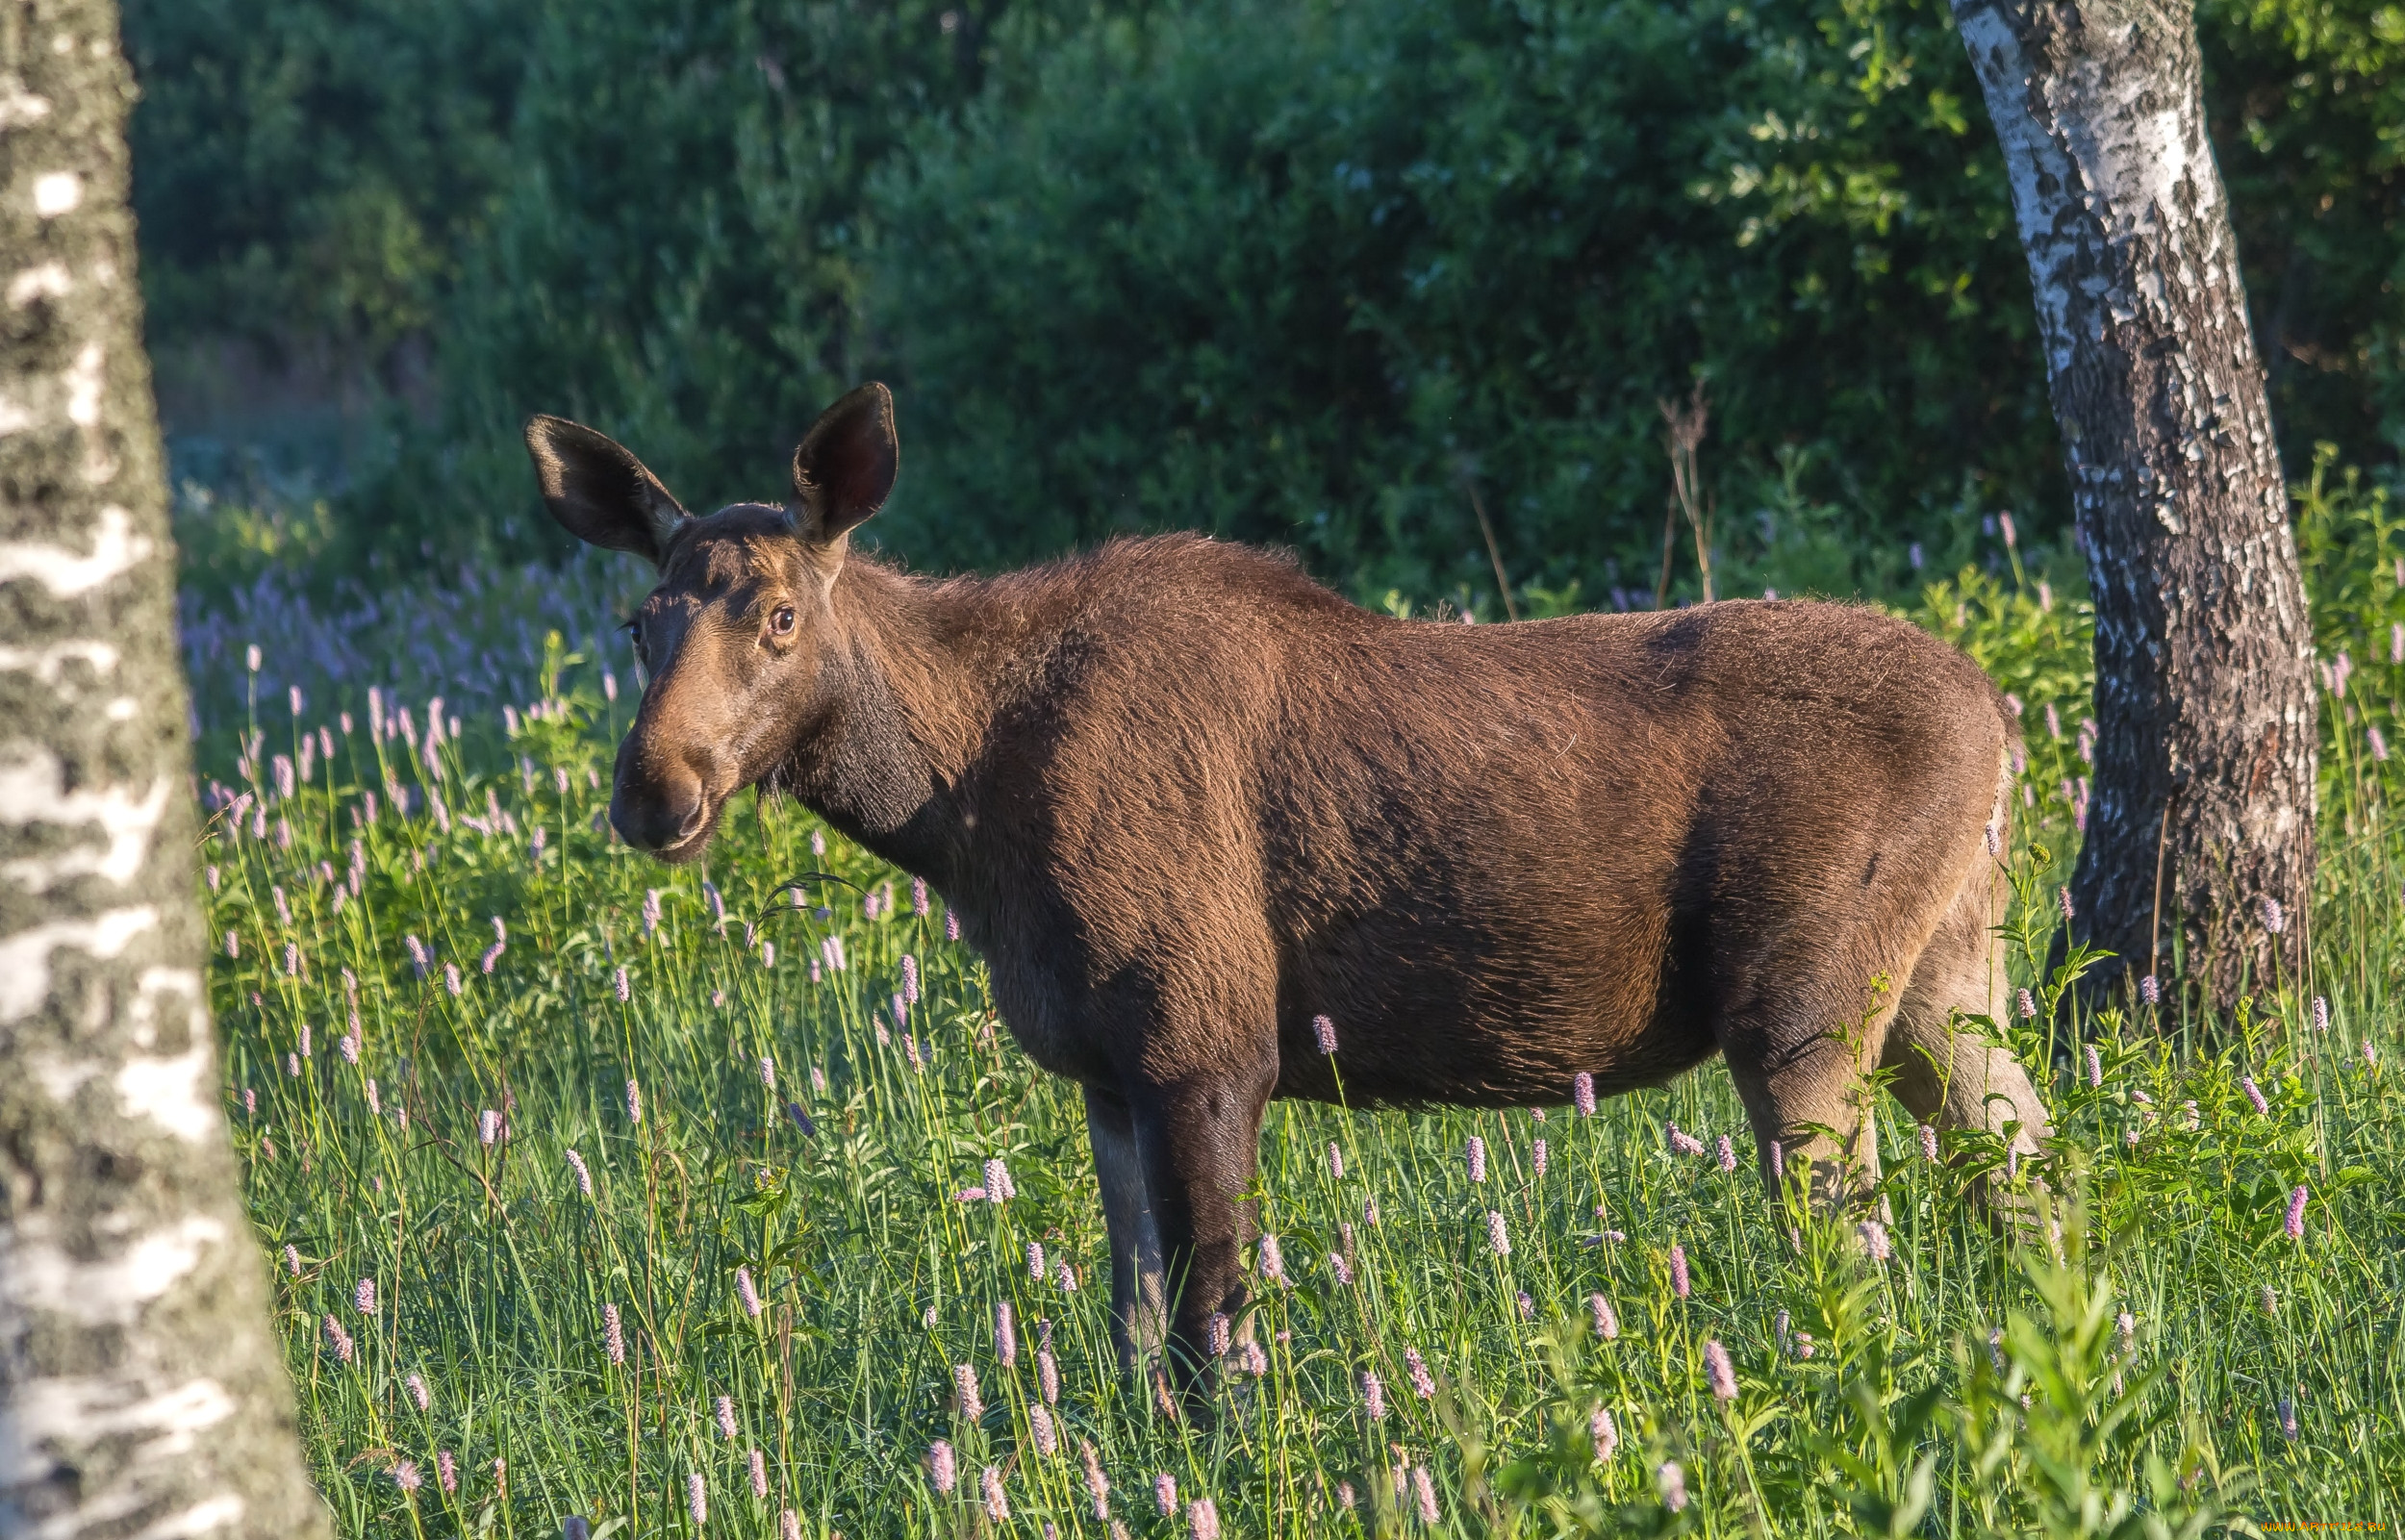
1184	801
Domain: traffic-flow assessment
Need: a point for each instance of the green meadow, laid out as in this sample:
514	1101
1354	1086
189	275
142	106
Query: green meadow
669	1198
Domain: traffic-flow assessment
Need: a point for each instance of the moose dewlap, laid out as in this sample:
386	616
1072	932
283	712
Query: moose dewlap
1187	802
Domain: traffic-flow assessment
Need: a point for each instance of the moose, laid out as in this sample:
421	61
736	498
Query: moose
1187	802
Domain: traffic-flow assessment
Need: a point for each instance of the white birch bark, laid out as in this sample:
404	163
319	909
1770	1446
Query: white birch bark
2205	707
141	1392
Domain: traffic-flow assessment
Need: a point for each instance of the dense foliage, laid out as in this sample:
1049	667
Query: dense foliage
1312	272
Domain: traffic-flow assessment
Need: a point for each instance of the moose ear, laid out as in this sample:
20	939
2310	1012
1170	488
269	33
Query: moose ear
846	464
599	492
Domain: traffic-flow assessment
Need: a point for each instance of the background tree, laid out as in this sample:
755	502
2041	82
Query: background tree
2203	815
141	1390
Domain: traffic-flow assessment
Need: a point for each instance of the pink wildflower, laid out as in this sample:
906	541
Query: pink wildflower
1606	1325
1721	1374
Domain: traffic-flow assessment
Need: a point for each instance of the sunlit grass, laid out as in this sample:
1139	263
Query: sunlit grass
800	1133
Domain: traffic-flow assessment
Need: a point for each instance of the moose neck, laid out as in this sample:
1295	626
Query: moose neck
907	702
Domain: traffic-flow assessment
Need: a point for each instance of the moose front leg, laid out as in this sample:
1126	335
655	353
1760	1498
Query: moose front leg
1139	1302
1200	1140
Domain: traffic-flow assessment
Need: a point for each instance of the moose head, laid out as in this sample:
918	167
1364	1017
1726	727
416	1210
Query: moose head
741	637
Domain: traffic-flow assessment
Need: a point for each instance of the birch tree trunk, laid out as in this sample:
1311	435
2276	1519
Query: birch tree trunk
141	1391
2205	705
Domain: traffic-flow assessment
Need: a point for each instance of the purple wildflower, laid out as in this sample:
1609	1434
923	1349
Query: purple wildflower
450	977
2029	1005
1497	1241
584	1176
2254	1093
1165	1493
2296	1215
2321	1014
2095	1066
1272	1259
1343	1269
405	1475
965	1387
1875	1239
1203	1519
292	1260
339	1338
364	1297
1373	1397
1672	1481
634	1102
1538	1152
998	1188
2274	918
1476	1157
417	1388
727	1418
759	1473
488	1127
1721	1374
1582	1093
2062	901
1323	1031
1047	1376
1727	1154
1605	1435
493	955
1606	1325
1527	1304
1046	1437
1097	1484
1006	1337
1215	1334
1335	1161
1929	1142
1778	1161
1425	1490
1423	1383
1678	1270
625	989
613	1334
909	979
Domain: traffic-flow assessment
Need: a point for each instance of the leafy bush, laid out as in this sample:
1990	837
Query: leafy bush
1308	273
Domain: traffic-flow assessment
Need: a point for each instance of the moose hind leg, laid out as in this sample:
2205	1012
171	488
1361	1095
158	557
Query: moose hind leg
1944	1075
1139	1296
1799	1057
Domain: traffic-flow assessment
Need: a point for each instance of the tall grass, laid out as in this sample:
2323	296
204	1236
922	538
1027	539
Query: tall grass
498	1081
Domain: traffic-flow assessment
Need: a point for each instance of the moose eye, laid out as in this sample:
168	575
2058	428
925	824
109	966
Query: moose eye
782	621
